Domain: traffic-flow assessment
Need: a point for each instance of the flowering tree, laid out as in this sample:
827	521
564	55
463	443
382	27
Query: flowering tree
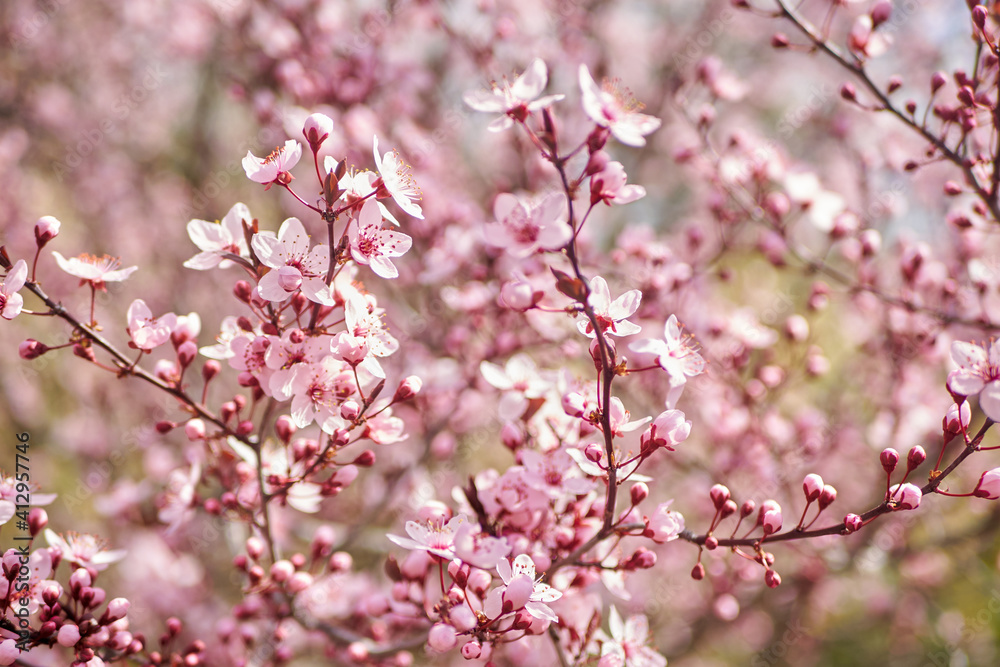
562	377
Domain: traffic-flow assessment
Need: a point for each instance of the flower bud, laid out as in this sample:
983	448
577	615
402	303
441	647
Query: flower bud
316	129
937	81
889	458
639	492
957	418
827	497
282	571
442	637
195	429
772	579
906	496
881	12
31	349
38	519
812	486
407	389
698	572
852	523
46	229
915	457
350	410
720	494
594	452
186	353
69	635
728	509
989	485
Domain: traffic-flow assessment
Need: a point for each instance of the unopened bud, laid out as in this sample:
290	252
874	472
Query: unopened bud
31	349
889	458
46	229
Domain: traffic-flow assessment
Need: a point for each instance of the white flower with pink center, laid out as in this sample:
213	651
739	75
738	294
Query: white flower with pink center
84	550
249	352
383	428
217	239
675	353
514	100
275	166
611	315
373	245
519	380
284	354
8	497
615	108
357	185
521	591
293	266
523	228
10	301
282	476
978	373
628	645
94	270
434	537
148	332
398	182
364	321
318	390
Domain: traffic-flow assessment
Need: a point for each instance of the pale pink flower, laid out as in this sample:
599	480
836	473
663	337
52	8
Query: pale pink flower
354	351
316	129
978	373
364	321
521	590
398	181
10	301
523	228
519	380
84	550
293	265
373	245
275	166
611	315
675	353
665	525
177	505
608	185
9	652
318	389
8	497
435	537
384	428
285	353
620	418
865	40
514	100
229	329
282	475
148	332
628	645
478	549
94	270
669	429
357	185
249	352
615	108
216	239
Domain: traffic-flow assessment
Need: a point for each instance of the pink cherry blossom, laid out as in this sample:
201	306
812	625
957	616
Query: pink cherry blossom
275	166
906	496
149	332
398	182
10	301
373	245
84	550
523	228
520	381
478	549
294	266
216	239
357	185
628	645
364	320
608	186
8	496
675	353
668	430
978	373
318	389
665	525
435	537
611	315
522	591
616	109
95	271
514	100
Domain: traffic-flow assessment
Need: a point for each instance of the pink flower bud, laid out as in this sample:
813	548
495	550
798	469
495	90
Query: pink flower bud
79	580
881	13
728	509
720	494
434	511
472	650
46	229
186	353
341	561
889	458
594	452
407	389
574	404
350	410
518	294
827	497
915	457
771	521
285	427
69	635
316	129
957	418
772	579
747	508
31	349
698	572
117	608
282	570
195	429
989	485
299	582
906	496
852	523
937	81
357	652
255	547
210	370
518	592
442	637
812	486
639	492
511	436
711	543
38	519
